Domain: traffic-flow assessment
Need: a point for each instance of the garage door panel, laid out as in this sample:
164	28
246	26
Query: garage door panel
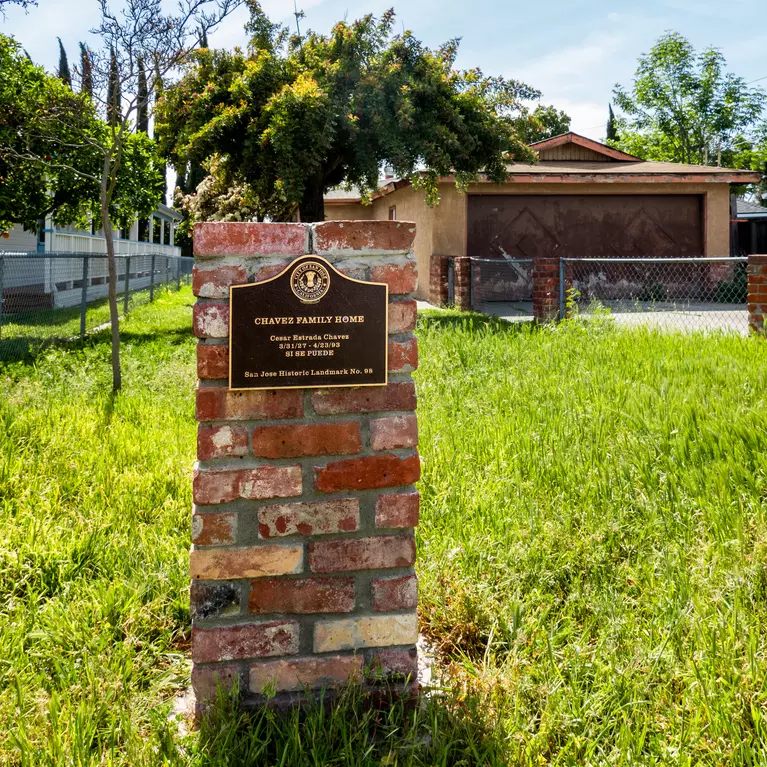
529	226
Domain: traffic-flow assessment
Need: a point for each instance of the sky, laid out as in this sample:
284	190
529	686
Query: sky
571	50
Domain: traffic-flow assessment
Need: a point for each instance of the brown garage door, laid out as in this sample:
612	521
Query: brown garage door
526	226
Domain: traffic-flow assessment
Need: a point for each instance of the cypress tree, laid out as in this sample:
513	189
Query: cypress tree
203	38
114	95
142	106
159	88
612	128
86	67
64	74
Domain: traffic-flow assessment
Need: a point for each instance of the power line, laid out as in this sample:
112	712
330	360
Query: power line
758	79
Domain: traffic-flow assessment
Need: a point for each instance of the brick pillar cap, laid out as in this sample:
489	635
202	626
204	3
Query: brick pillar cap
758	258
250	238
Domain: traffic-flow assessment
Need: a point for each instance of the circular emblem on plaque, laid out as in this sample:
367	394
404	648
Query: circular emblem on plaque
310	281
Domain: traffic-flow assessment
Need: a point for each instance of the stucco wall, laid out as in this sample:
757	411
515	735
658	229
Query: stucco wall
347	211
443	229
411	206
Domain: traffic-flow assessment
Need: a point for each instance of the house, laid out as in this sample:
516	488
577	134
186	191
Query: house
582	198
751	228
35	272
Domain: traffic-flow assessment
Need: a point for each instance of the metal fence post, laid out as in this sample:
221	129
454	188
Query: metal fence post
178	274
126	293
84	296
151	281
562	297
2	268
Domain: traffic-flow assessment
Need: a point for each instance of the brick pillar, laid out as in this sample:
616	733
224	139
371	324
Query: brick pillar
462	277
545	289
757	293
439	289
304	505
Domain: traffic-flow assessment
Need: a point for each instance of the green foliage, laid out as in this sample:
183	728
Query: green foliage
64	73
52	151
297	115
684	107
542	123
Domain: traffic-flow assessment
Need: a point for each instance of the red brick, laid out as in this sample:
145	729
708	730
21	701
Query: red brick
402	316
215	486
223	238
223	485
397	510
302	596
206	681
213	529
400	279
214	283
211	320
333	237
213	361
392	594
216	403
393	432
271	482
374	553
301	673
395	661
307	439
403	356
225	441
367	473
395	396
318	518
255	640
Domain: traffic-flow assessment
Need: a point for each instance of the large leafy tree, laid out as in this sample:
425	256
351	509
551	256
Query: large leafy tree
297	115
684	107
541	123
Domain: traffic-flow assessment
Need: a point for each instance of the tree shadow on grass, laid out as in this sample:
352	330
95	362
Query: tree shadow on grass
444	728
25	350
474	322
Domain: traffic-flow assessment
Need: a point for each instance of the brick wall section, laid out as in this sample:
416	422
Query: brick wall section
304	506
757	293
545	289
439	288
462	277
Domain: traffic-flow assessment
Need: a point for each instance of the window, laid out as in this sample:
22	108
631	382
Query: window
393	213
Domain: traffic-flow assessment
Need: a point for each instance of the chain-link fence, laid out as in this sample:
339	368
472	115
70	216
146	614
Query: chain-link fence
49	297
688	294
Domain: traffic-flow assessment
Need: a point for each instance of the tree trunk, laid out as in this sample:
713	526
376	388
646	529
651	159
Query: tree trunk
312	205
112	290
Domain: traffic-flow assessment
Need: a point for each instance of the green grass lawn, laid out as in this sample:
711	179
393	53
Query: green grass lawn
592	555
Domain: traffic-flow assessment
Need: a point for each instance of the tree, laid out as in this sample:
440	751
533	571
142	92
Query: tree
49	163
683	106
142	105
141	29
23	3
297	115
611	133
203	39
64	73
114	92
86	71
542	123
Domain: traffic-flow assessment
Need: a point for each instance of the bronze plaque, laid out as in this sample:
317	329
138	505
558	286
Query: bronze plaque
308	327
